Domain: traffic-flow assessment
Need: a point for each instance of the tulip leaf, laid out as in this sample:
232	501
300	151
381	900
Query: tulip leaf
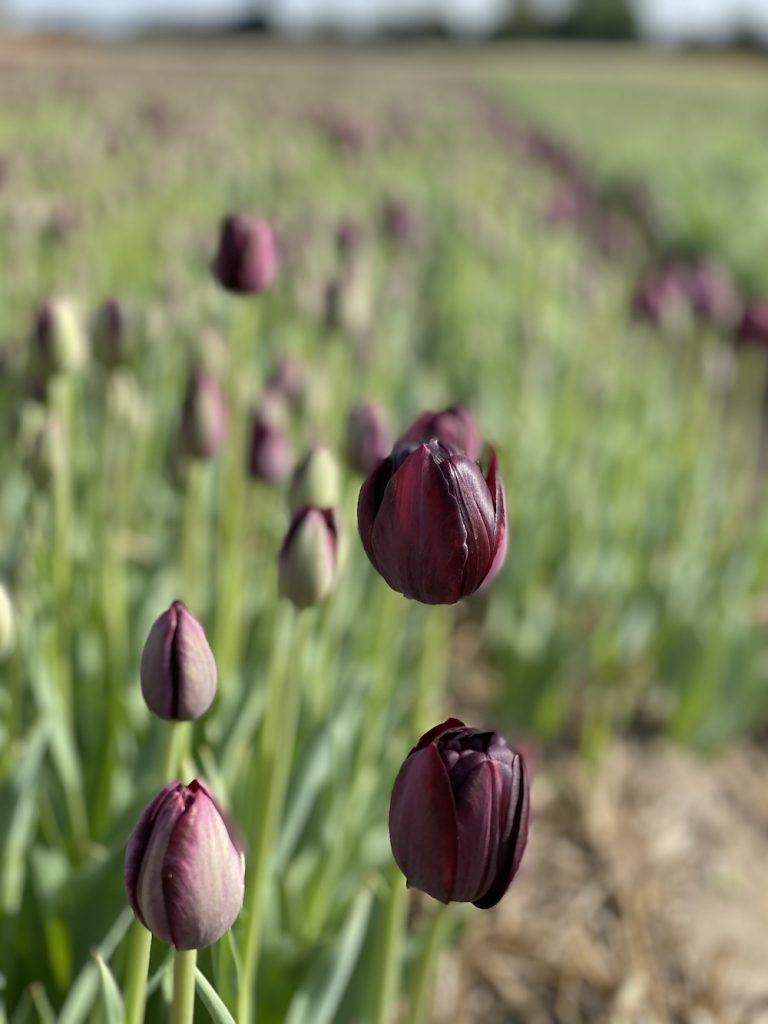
42	1004
114	1009
85	989
318	1000
19	820
213	1003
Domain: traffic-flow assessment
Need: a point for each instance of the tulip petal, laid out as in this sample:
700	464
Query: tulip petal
149	886
471	494
418	540
422	824
203	874
137	846
515	811
194	667
501	536
477	814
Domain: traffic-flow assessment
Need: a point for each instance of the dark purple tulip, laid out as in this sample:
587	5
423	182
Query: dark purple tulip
753	325
178	669
184	869
288	379
454	426
402	223
204	420
458	818
432	524
662	294
349	236
109	343
712	293
270	456
368	439
248	259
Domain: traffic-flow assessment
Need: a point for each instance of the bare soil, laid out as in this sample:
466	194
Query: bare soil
643	898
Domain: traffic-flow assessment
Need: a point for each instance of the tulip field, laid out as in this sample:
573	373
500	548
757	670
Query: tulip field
384	562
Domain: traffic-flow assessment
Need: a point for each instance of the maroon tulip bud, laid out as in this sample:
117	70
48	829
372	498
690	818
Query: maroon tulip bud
349	236
368	439
402	223
661	295
432	524
109	334
458	818
753	326
454	426
288	379
308	560
204	421
712	293
184	869
178	669
248	259
270	456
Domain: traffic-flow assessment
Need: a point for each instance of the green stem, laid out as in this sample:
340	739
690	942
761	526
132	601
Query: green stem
193	533
423	982
389	960
176	739
438	622
183	1009
138	967
272	771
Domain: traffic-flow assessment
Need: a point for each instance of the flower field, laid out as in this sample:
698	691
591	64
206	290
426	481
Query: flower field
345	393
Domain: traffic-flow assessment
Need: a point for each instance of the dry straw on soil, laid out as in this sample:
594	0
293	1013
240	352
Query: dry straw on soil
643	899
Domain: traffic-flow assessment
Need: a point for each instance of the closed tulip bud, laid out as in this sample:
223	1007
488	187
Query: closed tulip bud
204	421
308	560
316	480
432	524
178	669
184	869
454	426
368	439
288	379
109	341
753	325
59	338
458	818
248	259
7	624
270	457
349	237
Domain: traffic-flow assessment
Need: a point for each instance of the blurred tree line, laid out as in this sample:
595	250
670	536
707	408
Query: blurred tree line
582	19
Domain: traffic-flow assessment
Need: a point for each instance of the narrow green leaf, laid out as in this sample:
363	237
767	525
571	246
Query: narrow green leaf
216	1008
318	1000
110	993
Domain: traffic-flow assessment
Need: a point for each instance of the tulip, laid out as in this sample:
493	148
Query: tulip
204	421
316	480
184	869
248	258
59	338
454	426
458	818
308	560
349	236
432	524
109	333
270	456
402	223
368	439
178	669
753	325
288	379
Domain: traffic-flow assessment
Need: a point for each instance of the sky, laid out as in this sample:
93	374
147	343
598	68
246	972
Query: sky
663	18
